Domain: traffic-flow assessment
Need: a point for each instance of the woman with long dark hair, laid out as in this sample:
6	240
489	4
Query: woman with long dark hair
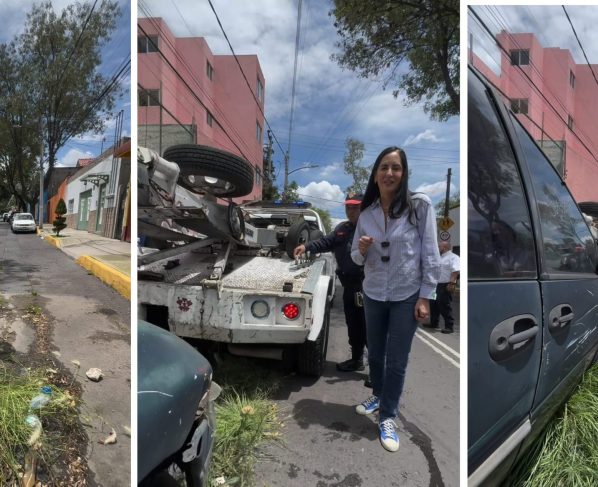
395	241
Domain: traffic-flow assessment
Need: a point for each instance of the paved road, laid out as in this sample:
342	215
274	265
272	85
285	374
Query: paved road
328	445
91	324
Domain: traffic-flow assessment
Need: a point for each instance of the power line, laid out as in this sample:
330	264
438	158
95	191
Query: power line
190	89
244	77
183	61
579	42
502	48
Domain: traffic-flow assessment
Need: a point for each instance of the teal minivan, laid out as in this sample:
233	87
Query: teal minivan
533	288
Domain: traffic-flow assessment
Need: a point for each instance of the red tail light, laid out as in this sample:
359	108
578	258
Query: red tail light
290	311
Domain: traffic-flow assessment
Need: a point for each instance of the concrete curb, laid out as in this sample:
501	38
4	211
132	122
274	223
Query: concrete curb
111	276
52	240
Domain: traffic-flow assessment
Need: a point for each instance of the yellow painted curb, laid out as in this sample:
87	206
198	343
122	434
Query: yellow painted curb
53	241
111	276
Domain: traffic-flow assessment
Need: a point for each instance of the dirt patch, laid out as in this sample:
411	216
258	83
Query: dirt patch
62	451
109	337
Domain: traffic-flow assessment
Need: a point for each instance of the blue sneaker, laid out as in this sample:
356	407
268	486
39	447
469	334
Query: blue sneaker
388	435
370	405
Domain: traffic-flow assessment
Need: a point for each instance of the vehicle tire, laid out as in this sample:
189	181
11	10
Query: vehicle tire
236	222
298	234
210	170
311	356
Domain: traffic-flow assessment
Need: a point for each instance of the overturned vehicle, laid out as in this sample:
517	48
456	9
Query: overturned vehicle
210	269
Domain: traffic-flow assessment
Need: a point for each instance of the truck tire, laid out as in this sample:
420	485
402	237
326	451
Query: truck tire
210	170
311	356
298	234
315	235
236	221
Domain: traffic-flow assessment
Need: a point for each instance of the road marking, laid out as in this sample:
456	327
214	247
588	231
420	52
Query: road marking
439	342
438	351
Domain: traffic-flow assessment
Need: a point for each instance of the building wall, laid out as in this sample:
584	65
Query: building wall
226	96
53	201
549	70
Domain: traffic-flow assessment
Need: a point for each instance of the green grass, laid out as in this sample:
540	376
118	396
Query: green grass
567	453
34	310
16	391
245	418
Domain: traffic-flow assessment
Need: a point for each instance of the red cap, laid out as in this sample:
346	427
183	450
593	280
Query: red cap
353	199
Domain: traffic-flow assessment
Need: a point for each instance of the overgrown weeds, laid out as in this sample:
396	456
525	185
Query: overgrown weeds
567	453
245	418
58	419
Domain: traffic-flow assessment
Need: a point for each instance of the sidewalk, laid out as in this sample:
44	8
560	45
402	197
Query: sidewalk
106	258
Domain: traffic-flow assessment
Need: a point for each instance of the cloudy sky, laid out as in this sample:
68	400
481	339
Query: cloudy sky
13	14
548	23
330	104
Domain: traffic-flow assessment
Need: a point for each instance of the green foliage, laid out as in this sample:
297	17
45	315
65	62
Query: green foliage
454	201
352	160
566	454
326	218
291	194
50	73
60	221
413	46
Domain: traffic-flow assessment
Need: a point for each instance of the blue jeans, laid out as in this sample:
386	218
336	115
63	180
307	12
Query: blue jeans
390	328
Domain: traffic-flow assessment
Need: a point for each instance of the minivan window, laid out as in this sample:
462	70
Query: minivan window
567	243
500	238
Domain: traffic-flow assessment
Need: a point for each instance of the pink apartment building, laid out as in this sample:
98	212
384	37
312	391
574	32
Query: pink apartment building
569	137
189	95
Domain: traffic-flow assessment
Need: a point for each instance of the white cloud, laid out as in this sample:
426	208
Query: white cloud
331	170
426	135
434	190
72	156
323	195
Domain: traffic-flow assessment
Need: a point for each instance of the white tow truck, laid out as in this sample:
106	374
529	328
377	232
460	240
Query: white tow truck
226	273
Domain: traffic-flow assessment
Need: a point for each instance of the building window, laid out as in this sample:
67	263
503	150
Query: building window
571	79
520	57
147	44
260	90
570	122
209	70
71	206
258	176
149	98
258	132
519	105
209	119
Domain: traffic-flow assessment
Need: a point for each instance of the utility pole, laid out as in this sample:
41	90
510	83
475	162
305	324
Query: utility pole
41	174
448	189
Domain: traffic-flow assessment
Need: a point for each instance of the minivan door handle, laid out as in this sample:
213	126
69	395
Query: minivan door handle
560	317
511	336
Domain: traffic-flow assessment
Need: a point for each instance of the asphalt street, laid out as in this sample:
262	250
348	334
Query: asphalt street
91	325
326	444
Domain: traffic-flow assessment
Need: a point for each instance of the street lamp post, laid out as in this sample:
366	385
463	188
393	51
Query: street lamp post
286	176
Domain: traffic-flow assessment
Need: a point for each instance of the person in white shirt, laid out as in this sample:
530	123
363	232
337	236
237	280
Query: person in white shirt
449	273
395	241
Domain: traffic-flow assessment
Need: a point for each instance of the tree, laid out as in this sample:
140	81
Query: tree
352	160
290	195
378	37
59	221
57	59
454	201
326	218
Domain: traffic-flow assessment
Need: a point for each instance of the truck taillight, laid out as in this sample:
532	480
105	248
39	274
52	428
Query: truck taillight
291	311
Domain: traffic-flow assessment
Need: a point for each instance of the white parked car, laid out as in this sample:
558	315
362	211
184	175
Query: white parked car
23	222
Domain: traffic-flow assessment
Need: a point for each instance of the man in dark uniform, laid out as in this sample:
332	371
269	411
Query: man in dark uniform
351	277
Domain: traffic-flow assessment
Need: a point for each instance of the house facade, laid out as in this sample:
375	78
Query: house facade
560	113
97	196
189	95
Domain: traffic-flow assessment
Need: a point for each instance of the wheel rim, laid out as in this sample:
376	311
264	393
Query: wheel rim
208	184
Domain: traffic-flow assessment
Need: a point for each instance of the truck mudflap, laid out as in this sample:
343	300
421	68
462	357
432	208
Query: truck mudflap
320	297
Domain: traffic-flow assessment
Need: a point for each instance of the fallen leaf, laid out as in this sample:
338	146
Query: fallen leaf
110	439
76	362
56	354
127	431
